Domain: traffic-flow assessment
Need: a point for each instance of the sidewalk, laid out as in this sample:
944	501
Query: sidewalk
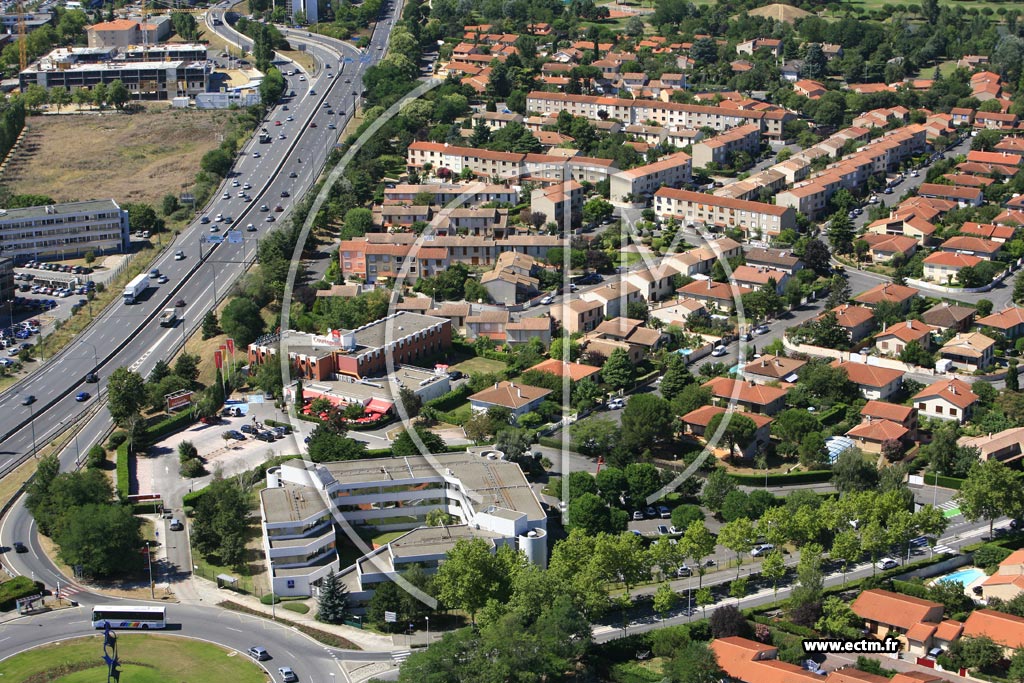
207	593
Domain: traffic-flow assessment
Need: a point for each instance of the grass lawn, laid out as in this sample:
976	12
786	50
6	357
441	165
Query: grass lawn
387	538
155	659
478	365
297	607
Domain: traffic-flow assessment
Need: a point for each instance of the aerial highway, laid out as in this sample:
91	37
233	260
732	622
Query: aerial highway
129	335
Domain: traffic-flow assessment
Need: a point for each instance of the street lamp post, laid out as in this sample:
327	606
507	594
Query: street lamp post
428	631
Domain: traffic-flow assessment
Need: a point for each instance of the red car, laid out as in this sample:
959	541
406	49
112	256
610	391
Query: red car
312	124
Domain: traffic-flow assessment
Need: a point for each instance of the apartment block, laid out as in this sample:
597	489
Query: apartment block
694	208
643	181
560	203
719	149
60	231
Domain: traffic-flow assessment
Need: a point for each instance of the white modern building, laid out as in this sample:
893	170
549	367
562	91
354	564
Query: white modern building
59	231
488	496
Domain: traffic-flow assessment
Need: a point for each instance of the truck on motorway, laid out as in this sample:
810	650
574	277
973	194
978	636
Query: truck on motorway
168	317
135	288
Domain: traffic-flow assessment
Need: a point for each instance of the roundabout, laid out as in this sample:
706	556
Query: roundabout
144	657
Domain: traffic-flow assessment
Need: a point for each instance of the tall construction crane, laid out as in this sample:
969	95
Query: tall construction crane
22	37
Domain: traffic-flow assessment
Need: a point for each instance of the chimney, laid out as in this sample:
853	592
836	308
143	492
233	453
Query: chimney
519	392
910	324
496	385
870	419
709	285
764	363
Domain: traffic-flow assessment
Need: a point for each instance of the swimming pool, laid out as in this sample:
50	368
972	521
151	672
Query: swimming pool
964	576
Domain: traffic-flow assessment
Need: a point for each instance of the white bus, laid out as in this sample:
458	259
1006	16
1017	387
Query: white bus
129	616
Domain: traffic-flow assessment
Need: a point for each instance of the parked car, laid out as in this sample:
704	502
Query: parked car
638	515
249	429
650	512
719	351
664	512
662	530
455	374
616	404
887	563
547	300
235	434
762	549
684	572
761	329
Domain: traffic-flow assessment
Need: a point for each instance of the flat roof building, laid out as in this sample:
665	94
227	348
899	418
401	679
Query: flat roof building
59	231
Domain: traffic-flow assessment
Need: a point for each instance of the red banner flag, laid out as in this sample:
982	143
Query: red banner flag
218	359
231	346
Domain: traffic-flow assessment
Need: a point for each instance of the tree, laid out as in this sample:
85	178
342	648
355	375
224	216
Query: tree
717	486
817	257
815	62
410	401
59	97
677	376
104	539
186	451
404	445
332	605
838	619
683	515
219	523
187	367
618	371
358	221
591	514
216	162
811	582
326	445
596	436
241	320
728	621
738	431
851	472
126	395
210	327
695	662
1012	377
991	490
647	422
738	536
698	543
642	480
470	576
621	558
791	425
773	568
846	546
737	589
1016	671
665	600
840	232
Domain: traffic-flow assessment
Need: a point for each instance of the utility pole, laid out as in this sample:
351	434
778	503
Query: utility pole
149	559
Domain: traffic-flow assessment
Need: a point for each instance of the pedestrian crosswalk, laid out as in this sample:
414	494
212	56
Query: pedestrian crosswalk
401	655
69	589
949	509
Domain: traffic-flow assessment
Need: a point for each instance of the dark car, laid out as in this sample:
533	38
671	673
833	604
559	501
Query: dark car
92	378
180	303
28	400
235	434
82	396
249	429
266	436
455	374
293	174
19	547
284	193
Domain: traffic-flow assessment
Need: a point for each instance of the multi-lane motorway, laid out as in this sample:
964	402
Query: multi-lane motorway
129	336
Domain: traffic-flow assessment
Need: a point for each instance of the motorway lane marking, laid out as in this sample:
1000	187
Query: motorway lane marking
234	629
137	364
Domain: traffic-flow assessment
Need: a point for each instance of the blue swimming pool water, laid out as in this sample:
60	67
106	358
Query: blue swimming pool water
964	576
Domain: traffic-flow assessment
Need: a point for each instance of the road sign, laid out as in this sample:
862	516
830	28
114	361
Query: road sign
390	617
235	237
348	60
213	239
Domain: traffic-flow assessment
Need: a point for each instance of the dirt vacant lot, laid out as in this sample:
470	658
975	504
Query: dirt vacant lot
131	158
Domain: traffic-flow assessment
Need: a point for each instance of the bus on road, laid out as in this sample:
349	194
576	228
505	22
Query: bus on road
129	616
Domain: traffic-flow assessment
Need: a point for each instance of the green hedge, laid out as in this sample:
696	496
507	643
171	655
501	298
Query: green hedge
455	398
147	508
815	477
275	423
171	425
18	587
945	482
787	626
833	415
192	497
123	472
